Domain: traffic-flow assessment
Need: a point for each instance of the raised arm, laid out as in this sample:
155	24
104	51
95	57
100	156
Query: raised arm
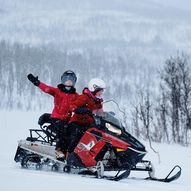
45	88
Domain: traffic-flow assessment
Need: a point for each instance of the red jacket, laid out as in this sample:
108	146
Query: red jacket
88	100
62	101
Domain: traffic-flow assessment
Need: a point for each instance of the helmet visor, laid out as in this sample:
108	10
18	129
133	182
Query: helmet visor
98	89
68	80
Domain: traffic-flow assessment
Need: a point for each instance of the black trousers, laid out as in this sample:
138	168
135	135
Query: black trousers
62	134
75	133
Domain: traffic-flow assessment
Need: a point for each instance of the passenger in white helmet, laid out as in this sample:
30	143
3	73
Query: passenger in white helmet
89	102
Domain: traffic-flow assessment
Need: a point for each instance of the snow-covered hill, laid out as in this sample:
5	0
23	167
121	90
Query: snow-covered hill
15	125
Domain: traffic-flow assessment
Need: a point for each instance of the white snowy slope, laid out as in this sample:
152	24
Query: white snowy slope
15	125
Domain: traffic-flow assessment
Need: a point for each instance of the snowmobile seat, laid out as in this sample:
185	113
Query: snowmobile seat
48	129
46	133
44	118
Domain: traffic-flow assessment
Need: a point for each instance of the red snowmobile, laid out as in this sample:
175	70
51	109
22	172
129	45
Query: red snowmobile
105	146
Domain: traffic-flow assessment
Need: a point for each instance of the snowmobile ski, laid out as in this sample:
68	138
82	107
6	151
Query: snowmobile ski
168	177
118	177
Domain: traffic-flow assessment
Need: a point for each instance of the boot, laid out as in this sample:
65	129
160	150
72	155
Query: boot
60	155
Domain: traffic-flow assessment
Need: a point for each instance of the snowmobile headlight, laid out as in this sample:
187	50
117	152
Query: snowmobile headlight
120	150
113	129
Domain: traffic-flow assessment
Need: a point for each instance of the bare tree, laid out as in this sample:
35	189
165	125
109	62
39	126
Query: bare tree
146	117
145	111
185	94
135	120
176	82
161	110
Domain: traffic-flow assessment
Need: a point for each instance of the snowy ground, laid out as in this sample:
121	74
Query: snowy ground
15	125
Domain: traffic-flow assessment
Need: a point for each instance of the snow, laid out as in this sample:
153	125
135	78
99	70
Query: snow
15	125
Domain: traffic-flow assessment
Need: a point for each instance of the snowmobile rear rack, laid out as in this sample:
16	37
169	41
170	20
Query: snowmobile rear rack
41	135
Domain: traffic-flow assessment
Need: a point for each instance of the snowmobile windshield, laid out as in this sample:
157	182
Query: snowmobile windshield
110	118
112	123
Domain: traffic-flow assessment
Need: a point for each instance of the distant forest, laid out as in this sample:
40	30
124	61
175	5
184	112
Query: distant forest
123	73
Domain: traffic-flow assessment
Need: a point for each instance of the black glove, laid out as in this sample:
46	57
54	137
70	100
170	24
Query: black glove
83	110
33	79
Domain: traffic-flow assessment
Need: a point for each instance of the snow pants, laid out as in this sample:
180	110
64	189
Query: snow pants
75	133
61	134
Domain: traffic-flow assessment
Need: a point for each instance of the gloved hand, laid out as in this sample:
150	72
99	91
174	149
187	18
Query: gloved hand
83	110
33	79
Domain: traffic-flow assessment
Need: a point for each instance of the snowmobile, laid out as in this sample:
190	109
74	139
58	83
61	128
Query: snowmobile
105	147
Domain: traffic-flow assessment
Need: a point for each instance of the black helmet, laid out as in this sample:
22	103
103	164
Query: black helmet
68	75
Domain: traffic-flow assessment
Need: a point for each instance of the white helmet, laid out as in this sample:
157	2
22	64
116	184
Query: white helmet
96	84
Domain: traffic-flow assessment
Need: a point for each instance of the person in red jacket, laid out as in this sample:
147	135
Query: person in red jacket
90	102
64	95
